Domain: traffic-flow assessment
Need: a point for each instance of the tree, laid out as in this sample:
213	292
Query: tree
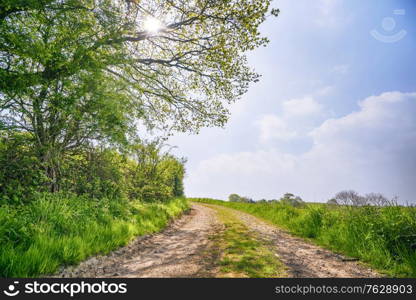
247	200
288	196
350	197
292	200
234	198
237	198
377	199
78	72
332	202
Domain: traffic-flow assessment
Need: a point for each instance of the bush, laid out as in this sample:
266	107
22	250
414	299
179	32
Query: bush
96	173
292	200
332	202
21	173
237	198
144	173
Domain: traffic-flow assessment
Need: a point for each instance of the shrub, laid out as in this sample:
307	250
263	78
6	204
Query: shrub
143	173
292	200
332	202
21	173
237	198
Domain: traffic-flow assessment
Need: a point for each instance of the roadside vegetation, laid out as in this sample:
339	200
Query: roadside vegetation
58	230
382	236
241	253
102	199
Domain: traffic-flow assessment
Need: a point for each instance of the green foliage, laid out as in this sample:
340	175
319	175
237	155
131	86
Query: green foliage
237	198
292	200
81	72
145	173
64	229
234	198
154	175
21	173
384	237
96	173
332	202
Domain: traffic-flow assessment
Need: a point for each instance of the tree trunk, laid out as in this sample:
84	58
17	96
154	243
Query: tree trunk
48	154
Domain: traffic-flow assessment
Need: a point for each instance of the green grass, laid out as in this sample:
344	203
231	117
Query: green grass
241	253
57	229
381	237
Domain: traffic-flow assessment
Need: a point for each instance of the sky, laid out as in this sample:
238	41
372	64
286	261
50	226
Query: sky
335	108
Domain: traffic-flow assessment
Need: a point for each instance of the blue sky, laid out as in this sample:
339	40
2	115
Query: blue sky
335	108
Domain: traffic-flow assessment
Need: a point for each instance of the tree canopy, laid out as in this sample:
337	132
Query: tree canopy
75	72
62	59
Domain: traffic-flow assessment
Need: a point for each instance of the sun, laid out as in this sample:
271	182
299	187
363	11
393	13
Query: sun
152	25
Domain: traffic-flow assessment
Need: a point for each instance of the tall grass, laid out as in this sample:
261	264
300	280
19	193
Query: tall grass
384	237
58	229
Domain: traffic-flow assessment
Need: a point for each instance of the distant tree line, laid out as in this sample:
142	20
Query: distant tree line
287	199
347	198
353	198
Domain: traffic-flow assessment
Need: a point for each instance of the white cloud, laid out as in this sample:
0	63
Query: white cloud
295	111
271	127
302	107
372	149
381	116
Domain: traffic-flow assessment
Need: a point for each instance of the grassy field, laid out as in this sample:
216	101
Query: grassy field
57	230
241	253
383	237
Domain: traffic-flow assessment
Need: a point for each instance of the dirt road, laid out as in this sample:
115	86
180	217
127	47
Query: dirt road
183	250
304	259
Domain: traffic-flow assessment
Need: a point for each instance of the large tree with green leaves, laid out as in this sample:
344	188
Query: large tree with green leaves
74	72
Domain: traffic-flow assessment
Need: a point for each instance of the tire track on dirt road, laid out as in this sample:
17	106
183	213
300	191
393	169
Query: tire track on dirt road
304	259
181	250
